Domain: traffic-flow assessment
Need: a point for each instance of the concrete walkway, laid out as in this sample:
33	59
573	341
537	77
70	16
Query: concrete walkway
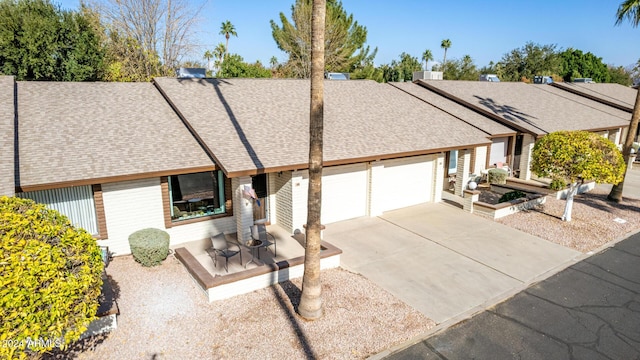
443	261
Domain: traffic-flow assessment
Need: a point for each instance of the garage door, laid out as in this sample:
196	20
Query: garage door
344	192
406	182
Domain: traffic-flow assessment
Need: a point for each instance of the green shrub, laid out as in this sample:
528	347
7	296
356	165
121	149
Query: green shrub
149	246
50	279
511	195
498	176
557	184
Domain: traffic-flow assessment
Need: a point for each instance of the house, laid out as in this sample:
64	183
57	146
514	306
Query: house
181	154
532	110
383	149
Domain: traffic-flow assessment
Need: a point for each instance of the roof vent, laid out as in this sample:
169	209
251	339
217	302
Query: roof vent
336	76
187	73
489	77
539	79
427	75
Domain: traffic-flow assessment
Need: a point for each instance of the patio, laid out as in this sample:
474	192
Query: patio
269	270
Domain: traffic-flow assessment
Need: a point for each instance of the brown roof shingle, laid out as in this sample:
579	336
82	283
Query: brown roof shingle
536	109
70	131
620	96
482	122
251	124
7	117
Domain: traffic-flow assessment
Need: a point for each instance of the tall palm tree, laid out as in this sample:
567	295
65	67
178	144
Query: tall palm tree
227	29
445	44
311	299
629	10
208	55
273	62
219	52
427	56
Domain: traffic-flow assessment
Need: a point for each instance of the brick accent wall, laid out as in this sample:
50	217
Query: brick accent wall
525	156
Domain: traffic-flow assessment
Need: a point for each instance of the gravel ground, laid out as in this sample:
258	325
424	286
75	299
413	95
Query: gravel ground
592	224
165	315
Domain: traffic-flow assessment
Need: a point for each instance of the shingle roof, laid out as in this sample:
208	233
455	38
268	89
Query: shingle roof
250	124
71	131
7	116
536	109
482	122
620	96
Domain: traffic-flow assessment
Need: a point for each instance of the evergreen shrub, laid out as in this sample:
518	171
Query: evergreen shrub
149	246
50	279
498	176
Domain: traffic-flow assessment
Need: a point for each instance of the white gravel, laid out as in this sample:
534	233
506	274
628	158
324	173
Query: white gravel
165	315
593	222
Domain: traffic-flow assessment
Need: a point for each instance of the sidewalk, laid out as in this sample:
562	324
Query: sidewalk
590	310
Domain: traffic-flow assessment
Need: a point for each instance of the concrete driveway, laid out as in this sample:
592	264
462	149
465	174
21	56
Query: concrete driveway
443	261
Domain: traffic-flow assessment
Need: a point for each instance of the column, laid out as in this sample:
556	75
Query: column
242	208
438	177
528	141
462	173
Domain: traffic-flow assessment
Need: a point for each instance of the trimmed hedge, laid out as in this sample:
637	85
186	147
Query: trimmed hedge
50	279
498	176
149	246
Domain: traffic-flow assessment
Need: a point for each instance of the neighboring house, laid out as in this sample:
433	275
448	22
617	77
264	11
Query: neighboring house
534	111
615	95
101	153
180	154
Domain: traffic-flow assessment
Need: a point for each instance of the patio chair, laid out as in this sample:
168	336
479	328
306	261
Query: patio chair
259	232
220	246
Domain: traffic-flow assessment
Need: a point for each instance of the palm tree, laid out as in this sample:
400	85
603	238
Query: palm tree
445	44
227	29
629	10
273	62
427	56
208	55
219	52
310	306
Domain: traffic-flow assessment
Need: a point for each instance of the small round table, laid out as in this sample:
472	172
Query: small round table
254	246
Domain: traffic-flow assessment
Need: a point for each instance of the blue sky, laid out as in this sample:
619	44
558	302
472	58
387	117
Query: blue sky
485	29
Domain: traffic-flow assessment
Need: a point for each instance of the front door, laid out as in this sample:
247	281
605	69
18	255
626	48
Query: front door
259	184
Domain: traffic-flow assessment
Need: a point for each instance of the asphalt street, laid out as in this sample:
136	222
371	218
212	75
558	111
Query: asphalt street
590	310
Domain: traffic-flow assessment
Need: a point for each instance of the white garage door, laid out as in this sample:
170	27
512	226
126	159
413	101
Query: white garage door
344	192
406	182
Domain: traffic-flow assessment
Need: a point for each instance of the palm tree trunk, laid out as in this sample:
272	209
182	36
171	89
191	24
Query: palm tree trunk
310	306
616	191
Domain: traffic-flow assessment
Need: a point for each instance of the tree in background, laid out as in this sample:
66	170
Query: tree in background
576	64
629	9
445	44
401	70
227	29
491	68
426	57
126	60
344	39
619	75
575	156
38	41
234	66
162	29
208	55
463	69
310	306
528	61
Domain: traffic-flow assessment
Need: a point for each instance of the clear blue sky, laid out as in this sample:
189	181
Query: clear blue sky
485	29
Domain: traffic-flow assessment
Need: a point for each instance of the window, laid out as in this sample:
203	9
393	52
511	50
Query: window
196	195
81	204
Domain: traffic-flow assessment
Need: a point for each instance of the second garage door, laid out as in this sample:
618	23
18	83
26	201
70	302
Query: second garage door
406	182
344	192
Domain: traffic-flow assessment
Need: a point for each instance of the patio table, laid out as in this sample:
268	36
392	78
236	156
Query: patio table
254	246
